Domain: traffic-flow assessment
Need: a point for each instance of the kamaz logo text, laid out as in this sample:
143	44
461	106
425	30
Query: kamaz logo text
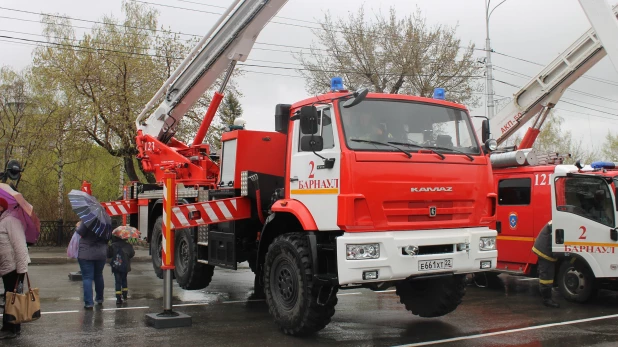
431	189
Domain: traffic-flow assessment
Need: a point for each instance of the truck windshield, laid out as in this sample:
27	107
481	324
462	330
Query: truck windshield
408	122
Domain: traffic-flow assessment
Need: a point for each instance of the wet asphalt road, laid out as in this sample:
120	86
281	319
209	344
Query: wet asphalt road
224	314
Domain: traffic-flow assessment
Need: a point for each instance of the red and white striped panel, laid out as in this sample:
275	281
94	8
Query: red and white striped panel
211	212
120	207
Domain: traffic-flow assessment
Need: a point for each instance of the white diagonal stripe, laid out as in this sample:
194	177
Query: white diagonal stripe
112	210
234	204
209	211
181	217
121	208
224	210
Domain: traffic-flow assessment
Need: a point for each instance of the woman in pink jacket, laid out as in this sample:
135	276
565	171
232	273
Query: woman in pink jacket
13	260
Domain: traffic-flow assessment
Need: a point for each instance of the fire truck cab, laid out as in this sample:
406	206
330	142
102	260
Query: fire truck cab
585	237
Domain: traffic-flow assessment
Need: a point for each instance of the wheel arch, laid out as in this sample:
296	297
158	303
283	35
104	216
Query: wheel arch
276	224
585	258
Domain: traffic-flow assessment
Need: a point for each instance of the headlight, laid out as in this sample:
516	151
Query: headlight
359	252
487	244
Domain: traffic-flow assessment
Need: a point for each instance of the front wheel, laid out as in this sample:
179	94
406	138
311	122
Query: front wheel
156	246
298	307
432	297
190	274
576	281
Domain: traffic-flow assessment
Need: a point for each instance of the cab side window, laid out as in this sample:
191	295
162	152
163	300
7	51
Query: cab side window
514	191
589	197
325	125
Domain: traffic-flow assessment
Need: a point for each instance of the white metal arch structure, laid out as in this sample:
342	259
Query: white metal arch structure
544	90
233	39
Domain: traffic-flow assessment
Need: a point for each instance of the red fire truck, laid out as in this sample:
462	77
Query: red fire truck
523	177
350	190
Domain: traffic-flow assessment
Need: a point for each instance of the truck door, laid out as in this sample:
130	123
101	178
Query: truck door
311	182
516	216
583	217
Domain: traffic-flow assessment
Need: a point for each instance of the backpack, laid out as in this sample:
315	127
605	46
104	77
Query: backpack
118	262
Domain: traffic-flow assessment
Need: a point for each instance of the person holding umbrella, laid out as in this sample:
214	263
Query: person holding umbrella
95	231
121	252
13	260
91	257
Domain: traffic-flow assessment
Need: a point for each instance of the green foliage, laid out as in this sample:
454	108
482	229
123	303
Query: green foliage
553	138
229	110
610	147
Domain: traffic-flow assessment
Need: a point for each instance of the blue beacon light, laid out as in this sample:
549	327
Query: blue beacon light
336	84
603	165
439	94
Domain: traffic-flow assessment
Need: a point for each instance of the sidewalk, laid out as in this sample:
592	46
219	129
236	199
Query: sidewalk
58	255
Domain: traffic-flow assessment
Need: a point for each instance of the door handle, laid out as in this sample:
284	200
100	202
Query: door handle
294	179
559	236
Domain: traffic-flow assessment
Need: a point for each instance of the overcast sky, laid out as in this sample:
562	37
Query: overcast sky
534	30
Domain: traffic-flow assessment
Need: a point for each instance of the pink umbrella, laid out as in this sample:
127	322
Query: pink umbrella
22	210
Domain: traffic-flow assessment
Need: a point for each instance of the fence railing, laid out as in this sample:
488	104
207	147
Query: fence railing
55	233
58	233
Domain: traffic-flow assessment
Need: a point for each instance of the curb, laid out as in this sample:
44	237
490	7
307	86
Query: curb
64	260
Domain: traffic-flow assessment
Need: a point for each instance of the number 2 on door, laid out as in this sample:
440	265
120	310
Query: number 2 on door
312	164
583	235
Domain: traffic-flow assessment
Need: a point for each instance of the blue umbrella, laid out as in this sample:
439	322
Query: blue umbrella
91	213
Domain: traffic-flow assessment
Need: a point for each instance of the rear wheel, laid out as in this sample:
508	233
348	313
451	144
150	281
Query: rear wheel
190	274
298	307
576	281
432	297
156	246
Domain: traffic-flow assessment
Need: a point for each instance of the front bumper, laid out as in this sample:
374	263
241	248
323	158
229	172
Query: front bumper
393	265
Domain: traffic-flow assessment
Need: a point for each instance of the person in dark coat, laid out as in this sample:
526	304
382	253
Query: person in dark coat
120	252
546	266
91	258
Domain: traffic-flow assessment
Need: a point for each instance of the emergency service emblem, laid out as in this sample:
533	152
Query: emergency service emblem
513	220
432	211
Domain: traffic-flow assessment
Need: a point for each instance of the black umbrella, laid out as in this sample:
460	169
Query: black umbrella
91	213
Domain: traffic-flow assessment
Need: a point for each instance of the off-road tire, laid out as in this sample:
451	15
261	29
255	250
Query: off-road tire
190	274
432	297
568	276
288	286
489	280
155	246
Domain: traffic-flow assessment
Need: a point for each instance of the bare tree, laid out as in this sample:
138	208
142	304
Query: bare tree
391	55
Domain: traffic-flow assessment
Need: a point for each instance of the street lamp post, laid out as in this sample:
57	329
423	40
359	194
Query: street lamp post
488	65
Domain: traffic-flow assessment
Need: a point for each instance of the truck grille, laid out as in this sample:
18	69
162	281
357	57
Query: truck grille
418	211
433	249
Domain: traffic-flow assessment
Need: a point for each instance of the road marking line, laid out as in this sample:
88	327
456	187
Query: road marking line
125	308
386	291
240	301
349	294
527	279
194	304
56	312
502	332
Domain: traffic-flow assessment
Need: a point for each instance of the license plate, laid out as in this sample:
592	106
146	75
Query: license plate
427	265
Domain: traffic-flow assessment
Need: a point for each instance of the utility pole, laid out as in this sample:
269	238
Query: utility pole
488	66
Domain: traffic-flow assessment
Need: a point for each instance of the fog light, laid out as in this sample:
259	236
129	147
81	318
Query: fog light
364	251
487	244
370	275
485	264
